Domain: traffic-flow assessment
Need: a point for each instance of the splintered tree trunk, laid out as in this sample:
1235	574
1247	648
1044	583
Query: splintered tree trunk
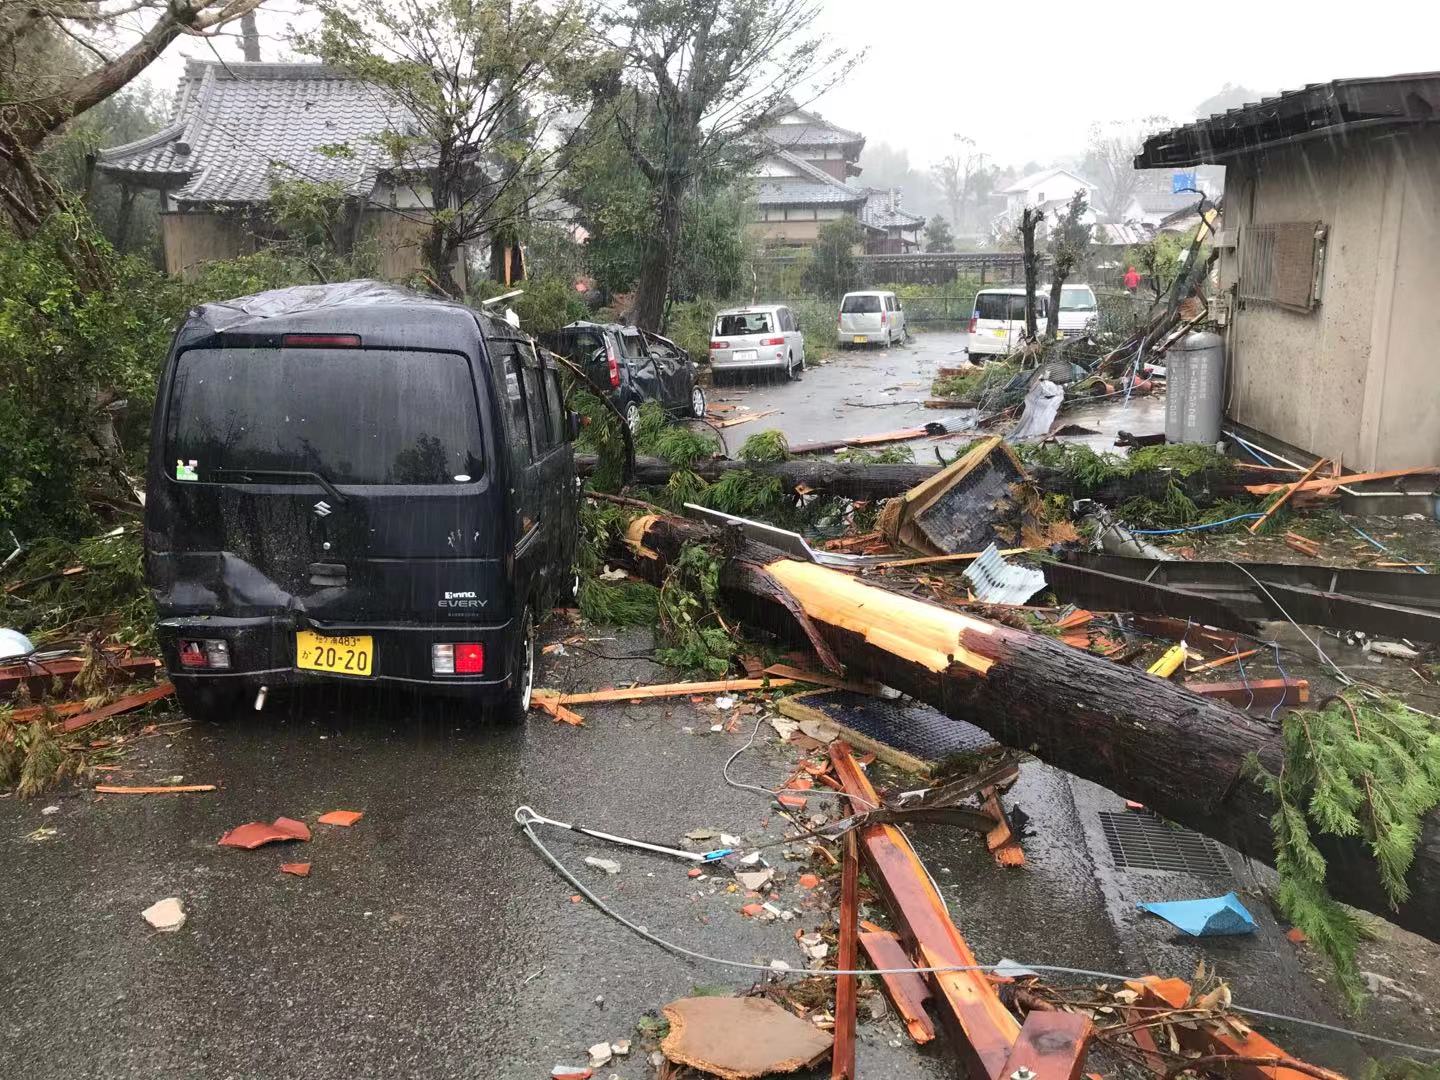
1143	737
1057	285
1029	221
862	483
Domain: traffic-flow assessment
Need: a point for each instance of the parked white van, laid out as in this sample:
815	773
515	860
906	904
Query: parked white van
998	323
759	336
1079	310
870	318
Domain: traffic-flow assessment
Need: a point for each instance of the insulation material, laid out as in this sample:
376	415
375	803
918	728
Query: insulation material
740	1038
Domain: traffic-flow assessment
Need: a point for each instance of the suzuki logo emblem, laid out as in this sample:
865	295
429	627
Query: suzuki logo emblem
322	508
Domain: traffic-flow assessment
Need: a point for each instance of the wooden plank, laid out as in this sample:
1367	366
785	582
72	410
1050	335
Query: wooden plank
980	1026
660	690
1256	525
152	789
1254	692
1210	665
842	1055
793	674
1051	1046
1326	482
908	993
736	421
40	674
115	708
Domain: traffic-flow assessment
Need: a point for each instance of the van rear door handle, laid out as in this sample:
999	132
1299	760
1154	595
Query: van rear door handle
328	574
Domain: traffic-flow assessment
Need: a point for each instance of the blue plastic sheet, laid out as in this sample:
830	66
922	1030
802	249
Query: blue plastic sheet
1214	916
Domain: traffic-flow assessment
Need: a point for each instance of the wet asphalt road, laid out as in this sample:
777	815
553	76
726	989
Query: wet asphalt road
431	941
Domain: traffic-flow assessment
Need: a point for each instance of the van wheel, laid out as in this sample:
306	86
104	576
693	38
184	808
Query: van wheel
790	367
210	703
632	417
697	402
888	340
516	703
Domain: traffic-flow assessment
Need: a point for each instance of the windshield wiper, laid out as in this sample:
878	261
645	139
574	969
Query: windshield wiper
301	474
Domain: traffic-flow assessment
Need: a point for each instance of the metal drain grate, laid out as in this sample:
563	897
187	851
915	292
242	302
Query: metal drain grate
1142	841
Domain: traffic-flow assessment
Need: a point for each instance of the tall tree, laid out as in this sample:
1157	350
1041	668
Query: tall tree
45	81
483	86
1030	219
716	72
831	272
955	175
1110	162
937	235
1069	244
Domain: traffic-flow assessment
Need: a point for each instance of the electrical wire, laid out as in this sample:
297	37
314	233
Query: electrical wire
681	950
1339	673
1195	528
1366	536
767	792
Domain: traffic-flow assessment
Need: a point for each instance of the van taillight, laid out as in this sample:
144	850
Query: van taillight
974	323
320	341
715	346
773	341
883	318
614	367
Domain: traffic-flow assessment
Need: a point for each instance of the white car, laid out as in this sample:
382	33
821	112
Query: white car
763	336
998	323
1079	310
870	318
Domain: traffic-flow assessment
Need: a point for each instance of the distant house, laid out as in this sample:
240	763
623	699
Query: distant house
803	181
1329	264
1150	208
239	127
1049	189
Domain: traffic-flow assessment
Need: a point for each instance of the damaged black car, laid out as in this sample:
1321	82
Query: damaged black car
633	365
357	483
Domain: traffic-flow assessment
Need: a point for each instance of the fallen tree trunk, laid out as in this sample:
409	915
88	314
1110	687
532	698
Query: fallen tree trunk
852	481
1141	736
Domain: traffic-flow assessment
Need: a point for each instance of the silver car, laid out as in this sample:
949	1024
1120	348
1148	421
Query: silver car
764	336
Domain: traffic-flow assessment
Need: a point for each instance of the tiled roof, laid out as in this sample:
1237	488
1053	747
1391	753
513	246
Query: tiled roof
812	187
814	131
878	214
1025	183
238	124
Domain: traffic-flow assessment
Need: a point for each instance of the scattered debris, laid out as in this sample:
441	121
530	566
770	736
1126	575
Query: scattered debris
345	818
1303	544
907	992
1042	405
1392	648
257	833
600	1054
571	1072
1255	693
1215	916
755	880
995	581
299	869
740	1038
610	866
848	956
154	789
166	915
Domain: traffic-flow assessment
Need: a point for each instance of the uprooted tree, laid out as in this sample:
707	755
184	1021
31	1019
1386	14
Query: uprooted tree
701	79
1191	759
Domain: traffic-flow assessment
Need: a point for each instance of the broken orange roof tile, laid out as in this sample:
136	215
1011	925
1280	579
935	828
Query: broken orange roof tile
299	869
795	802
293	830
694	871
752	910
254	834
341	817
809	881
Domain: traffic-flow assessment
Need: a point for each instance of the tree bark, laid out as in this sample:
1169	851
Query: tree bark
1029	221
1057	284
1143	737
859	482
654	284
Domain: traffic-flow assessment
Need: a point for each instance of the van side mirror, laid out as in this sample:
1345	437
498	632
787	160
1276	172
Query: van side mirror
572	426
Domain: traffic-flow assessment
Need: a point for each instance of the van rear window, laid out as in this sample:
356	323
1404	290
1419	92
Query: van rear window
357	416
1007	307
1077	300
860	305
750	322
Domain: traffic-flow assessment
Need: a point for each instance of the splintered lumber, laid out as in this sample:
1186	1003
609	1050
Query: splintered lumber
1258	523
43	675
1326	482
878	438
152	789
115	708
1145	738
1260	693
842	1055
907	992
734	421
979	1025
660	690
1051	1046
1232	658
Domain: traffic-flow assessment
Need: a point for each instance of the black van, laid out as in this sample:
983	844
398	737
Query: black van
354	482
635	365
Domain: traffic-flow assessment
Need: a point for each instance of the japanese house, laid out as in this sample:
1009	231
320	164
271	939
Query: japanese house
1329	264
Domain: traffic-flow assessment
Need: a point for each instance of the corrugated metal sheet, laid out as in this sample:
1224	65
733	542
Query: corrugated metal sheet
995	581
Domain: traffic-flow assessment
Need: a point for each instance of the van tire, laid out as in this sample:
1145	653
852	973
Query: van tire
632	417
790	367
211	702
516	703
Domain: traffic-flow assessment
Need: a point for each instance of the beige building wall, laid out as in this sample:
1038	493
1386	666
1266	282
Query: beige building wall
194	238
1354	377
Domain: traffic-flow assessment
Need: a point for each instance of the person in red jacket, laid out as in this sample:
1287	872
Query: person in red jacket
1132	280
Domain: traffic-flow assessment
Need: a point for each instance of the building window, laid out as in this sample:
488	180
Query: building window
1282	264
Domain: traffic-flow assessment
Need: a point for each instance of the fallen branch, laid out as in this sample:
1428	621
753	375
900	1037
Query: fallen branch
153	789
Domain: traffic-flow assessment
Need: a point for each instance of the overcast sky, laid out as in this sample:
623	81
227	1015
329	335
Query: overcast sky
1026	80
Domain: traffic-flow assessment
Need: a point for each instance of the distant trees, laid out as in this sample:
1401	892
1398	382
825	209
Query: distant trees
1110	162
832	264
699	80
938	236
962	178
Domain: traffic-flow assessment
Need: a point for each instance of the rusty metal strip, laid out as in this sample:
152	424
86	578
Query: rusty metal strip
1051	1046
1207	1039
981	1027
842	1055
908	993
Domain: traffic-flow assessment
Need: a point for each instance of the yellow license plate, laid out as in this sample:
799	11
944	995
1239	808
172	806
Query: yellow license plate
999	333
339	655
859	339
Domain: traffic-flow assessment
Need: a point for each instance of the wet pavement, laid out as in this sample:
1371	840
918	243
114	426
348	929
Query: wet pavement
431	940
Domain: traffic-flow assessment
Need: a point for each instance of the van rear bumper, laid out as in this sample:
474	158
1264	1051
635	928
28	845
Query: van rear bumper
262	650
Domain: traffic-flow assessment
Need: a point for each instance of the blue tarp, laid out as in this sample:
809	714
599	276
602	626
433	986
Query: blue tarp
1211	917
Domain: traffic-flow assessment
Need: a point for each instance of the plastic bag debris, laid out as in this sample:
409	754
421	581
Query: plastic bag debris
1214	916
